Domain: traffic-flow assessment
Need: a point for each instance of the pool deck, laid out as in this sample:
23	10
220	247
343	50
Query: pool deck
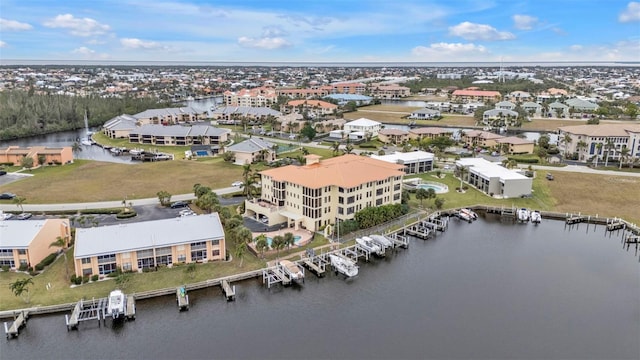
305	236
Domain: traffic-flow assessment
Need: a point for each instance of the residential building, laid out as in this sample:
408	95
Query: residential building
50	156
467	95
420	133
252	150
169	116
515	145
348	88
120	126
236	113
449	76
389	91
393	136
414	162
558	110
581	105
519	96
316	194
504	117
363	126
26	243
148	244
256	97
494	179
304	93
477	138
590	141
343	99
532	108
179	135
313	108
425	114
505	105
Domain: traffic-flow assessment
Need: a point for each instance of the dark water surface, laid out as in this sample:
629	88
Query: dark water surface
487	290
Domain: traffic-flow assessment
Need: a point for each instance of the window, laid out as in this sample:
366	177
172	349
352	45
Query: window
215	253
126	266
182	258
87	272
198	251
86	260
22	251
104	269
6	253
215	242
164	260
7	262
23	262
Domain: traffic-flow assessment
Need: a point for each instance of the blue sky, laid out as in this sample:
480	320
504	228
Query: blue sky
319	31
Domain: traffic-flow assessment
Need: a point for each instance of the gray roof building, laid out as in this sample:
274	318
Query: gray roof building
251	145
245	111
160	113
179	130
19	234
120	238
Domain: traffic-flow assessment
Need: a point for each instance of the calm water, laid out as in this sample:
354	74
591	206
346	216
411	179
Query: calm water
482	290
68	138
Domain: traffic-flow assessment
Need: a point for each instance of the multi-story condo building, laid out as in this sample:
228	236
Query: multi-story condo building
493	179
305	93
390	91
588	142
257	97
314	108
349	88
179	135
318	193
143	245
484	96
26	243
169	116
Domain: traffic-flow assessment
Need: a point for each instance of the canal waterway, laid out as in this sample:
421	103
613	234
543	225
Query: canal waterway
484	290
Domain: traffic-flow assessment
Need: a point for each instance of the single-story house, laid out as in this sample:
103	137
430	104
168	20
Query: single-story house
252	150
425	114
148	244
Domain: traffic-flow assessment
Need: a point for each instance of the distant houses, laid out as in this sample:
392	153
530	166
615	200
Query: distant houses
425	114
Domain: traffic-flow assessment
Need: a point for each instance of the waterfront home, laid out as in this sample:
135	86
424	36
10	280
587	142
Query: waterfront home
429	133
148	244
343	99
389	91
313	108
41	155
532	108
169	116
468	95
348	88
315	194
475	138
393	136
501	116
26	243
558	110
120	126
585	139
493	179
252	150
297	93
581	105
257	97
179	135
414	162
364	126
505	105
425	114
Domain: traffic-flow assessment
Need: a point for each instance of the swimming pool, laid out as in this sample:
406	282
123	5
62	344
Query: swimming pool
437	187
296	240
202	153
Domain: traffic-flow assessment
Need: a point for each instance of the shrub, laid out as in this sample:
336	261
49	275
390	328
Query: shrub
5	268
33	273
30	269
39	267
78	280
46	261
126	214
23	267
85	279
95	277
73	279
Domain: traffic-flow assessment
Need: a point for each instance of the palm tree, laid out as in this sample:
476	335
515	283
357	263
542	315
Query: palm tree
19	201
277	243
62	244
598	151
624	154
581	145
335	147
21	288
262	244
567	141
461	170
76	147
609	145
289	239
239	252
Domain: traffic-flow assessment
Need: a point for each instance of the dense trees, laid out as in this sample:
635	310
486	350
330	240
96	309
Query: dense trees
26	114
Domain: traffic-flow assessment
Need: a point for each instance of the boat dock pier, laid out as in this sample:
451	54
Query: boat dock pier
229	291
95	309
19	321
575	219
418	230
317	264
274	275
182	298
130	309
615	224
632	239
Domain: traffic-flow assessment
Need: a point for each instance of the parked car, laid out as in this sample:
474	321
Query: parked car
6	216
7	196
237	183
179	204
549	176
2	172
23	216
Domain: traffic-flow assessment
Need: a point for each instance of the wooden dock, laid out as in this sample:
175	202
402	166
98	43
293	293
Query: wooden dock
575	219
19	321
615	224
95	309
632	239
316	264
228	290
418	230
182	298
130	309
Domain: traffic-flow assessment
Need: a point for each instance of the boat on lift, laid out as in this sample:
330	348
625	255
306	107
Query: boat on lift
292	270
343	265
382	241
523	214
117	304
366	243
536	217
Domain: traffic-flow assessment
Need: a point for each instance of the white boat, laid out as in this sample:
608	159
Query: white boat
368	244
292	270
115	150
382	241
463	215
523	215
117	304
472	214
136	152
536	218
86	141
343	266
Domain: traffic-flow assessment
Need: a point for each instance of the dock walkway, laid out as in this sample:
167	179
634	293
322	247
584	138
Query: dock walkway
95	309
19	321
182	298
229	291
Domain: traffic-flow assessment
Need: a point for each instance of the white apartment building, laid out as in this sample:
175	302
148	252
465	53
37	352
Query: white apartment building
493	179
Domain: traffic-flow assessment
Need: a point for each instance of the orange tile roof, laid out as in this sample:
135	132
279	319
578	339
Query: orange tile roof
318	103
476	93
514	140
346	171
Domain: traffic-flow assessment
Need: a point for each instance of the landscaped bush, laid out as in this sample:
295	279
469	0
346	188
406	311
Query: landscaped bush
23	267
95	277
39	267
47	261
126	214
367	146
85	279
524	160
5	268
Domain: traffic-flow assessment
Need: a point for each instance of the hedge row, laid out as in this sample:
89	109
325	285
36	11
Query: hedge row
46	261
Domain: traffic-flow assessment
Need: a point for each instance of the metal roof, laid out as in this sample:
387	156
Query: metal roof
19	234
146	235
250	146
178	130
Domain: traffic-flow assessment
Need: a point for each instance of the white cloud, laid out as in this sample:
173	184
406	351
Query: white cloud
83	50
12	25
631	13
133	43
576	47
77	26
96	42
269	43
3	44
449	51
471	31
524	22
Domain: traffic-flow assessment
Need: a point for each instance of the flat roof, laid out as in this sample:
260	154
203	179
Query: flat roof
489	169
404	156
145	235
19	234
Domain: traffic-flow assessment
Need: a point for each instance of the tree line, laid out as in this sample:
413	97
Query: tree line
27	114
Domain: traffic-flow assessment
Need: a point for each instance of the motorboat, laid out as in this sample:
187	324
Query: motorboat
292	270
472	214
382	241
343	265
368	244
136	152
115	150
523	215
86	141
464	216
536	217
117	304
